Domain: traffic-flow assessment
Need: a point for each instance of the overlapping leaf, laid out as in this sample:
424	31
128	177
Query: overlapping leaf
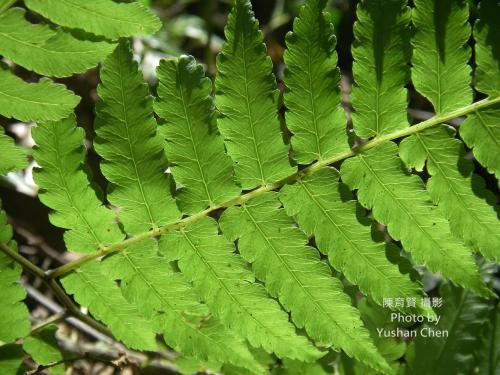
228	286
47	51
169	301
462	195
324	208
294	273
100	17
399	201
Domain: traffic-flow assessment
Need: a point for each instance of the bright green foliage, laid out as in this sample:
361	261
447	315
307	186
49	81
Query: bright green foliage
381	55
440	55
481	130
40	101
66	189
14	313
100	17
134	160
91	286
313	95
246	96
227	285
291	367
399	201
11	157
324	208
44	350
463	316
44	50
11	360
455	188
294	273
193	146
171	304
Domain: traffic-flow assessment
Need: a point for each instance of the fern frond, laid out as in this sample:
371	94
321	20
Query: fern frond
42	101
193	146
481	130
381	55
134	159
463	315
455	188
325	209
91	286
47	51
43	348
294	273
100	17
440	54
312	79
15	323
165	297
12	157
134	163
400	201
247	97
65	187
228	286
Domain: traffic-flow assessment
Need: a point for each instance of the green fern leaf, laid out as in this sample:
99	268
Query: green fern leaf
91	286
47	51
400	202
171	304
440	55
312	79
42	101
381	55
11	157
246	96
65	187
14	313
463	315
100	17
481	130
231	292
293	272
194	148
43	348
320	207
134	159
454	188
134	162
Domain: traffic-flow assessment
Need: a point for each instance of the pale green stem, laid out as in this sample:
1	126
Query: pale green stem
117	247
